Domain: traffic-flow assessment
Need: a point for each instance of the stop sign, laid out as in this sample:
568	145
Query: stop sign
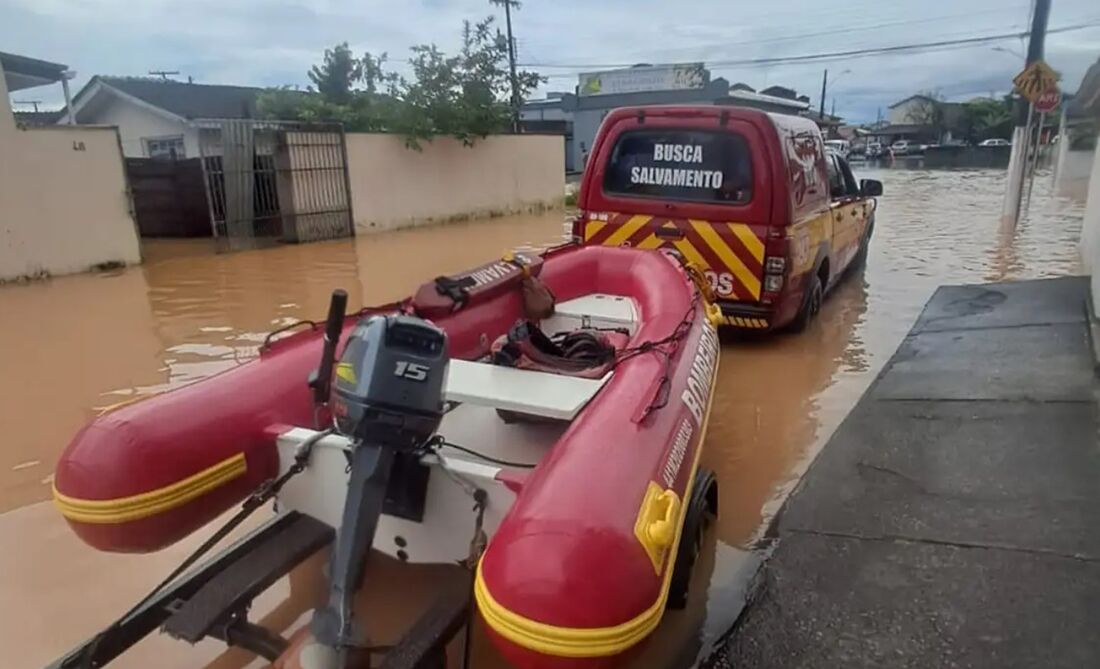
1048	101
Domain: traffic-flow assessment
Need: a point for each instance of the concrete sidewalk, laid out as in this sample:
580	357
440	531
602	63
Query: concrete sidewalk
953	520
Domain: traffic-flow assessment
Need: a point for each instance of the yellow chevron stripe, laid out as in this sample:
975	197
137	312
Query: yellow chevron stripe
592	228
626	230
685	247
747	279
650	242
749	240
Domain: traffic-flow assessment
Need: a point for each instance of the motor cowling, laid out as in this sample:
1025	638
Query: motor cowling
389	384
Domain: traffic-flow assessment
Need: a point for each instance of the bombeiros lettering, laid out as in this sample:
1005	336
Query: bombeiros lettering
697	393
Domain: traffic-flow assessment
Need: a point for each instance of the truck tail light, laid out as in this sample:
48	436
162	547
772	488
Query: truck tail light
776	252
577	229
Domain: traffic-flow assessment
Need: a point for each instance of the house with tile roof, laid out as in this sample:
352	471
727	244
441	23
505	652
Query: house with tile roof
160	118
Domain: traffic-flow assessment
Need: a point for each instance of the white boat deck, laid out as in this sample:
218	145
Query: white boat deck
542	393
443	535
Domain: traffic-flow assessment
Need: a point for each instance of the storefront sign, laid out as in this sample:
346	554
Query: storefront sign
683	76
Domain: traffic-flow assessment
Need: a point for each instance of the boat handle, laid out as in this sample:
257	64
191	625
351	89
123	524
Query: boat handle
669	233
663	530
270	338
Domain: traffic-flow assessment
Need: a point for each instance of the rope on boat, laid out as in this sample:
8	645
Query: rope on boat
438	441
665	346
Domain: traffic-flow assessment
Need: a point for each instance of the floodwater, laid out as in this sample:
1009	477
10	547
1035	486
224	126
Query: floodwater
74	346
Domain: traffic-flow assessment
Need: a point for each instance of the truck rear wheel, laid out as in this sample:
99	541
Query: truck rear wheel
811	304
864	246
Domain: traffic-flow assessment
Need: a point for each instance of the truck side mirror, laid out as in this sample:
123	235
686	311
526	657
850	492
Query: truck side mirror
870	188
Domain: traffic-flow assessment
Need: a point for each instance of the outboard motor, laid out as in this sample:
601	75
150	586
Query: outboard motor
387	399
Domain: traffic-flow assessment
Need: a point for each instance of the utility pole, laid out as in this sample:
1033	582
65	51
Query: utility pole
821	108
163	74
1021	136
70	115
508	4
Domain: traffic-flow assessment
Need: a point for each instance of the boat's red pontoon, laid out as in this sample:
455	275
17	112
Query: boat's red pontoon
588	472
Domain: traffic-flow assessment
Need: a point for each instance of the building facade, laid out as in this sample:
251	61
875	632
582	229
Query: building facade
160	119
598	93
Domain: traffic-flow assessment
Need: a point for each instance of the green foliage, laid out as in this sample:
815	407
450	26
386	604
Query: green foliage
987	118
335	77
464	95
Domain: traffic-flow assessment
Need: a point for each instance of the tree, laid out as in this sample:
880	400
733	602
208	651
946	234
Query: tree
987	118
465	95
335	77
927	108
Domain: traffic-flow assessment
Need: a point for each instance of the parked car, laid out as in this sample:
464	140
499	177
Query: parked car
995	142
754	199
901	147
841	147
874	150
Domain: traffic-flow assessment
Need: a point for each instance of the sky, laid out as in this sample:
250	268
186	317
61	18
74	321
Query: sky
273	42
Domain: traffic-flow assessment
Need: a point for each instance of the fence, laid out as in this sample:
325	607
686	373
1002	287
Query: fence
269	182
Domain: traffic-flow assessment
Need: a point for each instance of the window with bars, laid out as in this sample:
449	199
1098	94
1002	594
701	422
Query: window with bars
165	148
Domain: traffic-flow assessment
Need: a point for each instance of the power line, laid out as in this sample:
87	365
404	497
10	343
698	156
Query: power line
853	53
837	31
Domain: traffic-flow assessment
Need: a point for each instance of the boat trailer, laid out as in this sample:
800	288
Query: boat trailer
213	600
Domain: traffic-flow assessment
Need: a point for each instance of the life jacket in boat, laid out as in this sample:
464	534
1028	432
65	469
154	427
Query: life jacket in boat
585	353
447	294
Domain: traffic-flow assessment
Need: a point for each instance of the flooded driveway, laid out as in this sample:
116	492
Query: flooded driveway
75	346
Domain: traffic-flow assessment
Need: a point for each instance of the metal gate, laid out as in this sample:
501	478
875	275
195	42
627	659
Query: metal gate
273	181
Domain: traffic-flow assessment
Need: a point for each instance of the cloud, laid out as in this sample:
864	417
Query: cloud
273	42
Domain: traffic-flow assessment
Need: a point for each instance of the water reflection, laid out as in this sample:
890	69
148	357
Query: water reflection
75	345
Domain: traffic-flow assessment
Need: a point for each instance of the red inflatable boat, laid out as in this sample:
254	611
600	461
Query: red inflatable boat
584	550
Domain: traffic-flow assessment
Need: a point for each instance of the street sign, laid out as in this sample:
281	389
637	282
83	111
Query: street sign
1035	80
1048	101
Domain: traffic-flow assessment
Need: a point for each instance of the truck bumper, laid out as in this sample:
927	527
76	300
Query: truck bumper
746	316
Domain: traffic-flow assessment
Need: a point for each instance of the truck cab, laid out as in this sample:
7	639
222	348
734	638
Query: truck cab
752	198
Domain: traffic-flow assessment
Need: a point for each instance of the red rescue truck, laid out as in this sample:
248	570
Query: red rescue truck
753	198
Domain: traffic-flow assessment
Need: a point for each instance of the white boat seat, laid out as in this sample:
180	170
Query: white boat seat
593	311
520	390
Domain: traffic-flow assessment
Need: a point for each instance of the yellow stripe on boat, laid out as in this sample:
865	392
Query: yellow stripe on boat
143	505
590	641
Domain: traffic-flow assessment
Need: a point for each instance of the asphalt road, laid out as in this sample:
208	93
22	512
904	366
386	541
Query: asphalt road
953	520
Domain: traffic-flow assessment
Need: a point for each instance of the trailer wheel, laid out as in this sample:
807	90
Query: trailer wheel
702	507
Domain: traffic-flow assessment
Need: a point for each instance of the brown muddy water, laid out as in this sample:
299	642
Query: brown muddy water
74	346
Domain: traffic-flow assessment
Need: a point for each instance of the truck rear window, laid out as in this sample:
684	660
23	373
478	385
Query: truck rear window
692	165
